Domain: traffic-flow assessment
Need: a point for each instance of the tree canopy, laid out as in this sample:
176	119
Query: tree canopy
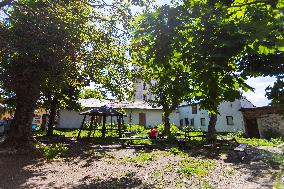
48	47
217	44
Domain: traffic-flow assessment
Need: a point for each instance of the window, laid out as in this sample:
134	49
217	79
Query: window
144	86
181	122
186	121
192	122
144	97
202	121
230	120
194	109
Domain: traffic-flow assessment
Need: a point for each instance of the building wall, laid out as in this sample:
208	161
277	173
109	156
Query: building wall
225	109
270	121
72	119
141	91
69	119
153	117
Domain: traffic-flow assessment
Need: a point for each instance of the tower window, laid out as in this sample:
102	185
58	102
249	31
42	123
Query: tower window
194	109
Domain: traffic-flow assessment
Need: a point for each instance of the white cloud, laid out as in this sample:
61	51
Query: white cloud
258	97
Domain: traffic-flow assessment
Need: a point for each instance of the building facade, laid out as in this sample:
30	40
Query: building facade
139	112
230	118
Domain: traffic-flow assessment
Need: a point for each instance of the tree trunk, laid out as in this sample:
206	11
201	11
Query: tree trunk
52	115
212	128
20	133
167	125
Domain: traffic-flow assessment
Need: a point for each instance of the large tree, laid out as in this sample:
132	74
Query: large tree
215	43
276	93
48	43
220	36
154	52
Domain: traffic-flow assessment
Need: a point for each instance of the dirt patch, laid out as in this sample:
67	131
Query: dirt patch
115	166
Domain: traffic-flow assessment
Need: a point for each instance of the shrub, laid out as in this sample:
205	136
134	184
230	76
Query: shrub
135	128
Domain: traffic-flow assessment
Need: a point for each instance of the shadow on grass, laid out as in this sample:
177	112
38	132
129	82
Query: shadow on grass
126	182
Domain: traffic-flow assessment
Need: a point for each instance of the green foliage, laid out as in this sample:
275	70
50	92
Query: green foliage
142	157
53	151
176	151
154	53
239	136
174	129
276	161
260	142
195	167
136	128
88	93
278	183
53	49
276	93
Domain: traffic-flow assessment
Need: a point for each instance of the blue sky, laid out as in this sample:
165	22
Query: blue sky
258	96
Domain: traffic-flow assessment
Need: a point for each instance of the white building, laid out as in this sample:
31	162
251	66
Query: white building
230	118
139	112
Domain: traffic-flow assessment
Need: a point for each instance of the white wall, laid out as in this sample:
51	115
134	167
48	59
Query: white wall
225	109
69	119
72	119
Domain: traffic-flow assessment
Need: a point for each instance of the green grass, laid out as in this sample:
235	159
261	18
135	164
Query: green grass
53	151
177	152
253	141
142	157
260	142
275	160
195	167
278	183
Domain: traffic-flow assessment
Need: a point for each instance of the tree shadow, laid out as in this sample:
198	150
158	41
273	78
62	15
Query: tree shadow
127	181
14	172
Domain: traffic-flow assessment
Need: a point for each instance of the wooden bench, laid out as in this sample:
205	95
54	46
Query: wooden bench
241	150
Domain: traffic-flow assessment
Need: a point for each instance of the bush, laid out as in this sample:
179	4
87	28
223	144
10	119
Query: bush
173	128
135	128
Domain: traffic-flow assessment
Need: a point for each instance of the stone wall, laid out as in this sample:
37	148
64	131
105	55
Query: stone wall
270	121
